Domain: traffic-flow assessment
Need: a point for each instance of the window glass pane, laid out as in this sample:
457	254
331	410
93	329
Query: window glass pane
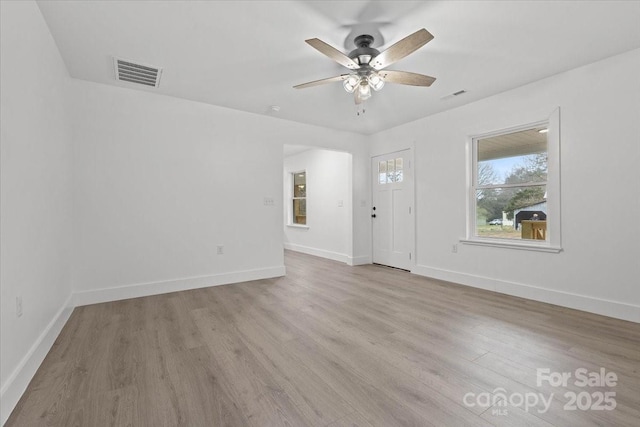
382	172
299	201
519	157
391	169
300	184
399	172
510	213
299	211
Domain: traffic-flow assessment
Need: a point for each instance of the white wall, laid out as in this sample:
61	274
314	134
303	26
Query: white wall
160	182
600	152
36	195
329	204
361	215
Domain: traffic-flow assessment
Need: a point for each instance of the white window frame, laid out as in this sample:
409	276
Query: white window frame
292	177
554	243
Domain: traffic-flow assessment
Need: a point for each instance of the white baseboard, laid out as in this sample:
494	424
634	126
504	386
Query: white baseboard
317	252
350	260
604	307
359	260
21	376
155	288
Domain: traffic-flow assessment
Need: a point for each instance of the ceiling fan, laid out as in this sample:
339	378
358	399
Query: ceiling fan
367	65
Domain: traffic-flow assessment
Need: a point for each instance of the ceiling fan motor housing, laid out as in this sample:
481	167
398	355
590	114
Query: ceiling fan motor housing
363	52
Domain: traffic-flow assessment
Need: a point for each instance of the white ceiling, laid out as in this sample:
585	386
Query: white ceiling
248	55
292	150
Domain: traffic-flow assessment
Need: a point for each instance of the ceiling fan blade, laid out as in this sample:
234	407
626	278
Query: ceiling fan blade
406	78
401	49
323	81
333	53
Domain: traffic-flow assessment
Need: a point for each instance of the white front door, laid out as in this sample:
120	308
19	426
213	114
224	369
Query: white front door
392	209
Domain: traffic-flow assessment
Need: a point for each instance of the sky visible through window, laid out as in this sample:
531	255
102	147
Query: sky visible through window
503	167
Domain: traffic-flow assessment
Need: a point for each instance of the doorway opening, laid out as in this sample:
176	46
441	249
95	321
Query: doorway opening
317	194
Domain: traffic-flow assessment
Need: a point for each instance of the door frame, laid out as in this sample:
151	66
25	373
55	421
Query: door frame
411	192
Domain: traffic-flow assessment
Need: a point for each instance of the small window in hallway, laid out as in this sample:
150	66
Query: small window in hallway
299	197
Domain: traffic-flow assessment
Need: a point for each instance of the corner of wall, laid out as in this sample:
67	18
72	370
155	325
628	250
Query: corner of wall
138	290
21	376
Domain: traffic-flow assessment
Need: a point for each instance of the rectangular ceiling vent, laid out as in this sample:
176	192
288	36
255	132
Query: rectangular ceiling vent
144	74
454	94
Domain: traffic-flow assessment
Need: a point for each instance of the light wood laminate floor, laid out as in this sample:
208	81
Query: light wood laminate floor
328	345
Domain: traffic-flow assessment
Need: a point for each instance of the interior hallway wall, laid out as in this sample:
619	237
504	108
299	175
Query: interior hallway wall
327	232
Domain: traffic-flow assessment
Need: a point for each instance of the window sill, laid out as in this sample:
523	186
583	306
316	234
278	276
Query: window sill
513	245
304	227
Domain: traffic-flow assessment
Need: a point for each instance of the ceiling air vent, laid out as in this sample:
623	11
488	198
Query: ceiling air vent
129	71
454	94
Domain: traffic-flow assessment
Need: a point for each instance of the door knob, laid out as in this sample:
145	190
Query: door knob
374	208
373	216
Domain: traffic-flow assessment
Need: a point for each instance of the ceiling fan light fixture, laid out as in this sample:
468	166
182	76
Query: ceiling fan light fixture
364	92
351	83
375	81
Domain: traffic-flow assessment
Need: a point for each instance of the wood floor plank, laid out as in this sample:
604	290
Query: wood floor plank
513	417
263	331
372	403
206	398
109	408
428	371
327	345
253	388
354	419
158	401
308	391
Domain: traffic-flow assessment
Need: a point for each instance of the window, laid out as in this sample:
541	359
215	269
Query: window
514	191
299	199
390	171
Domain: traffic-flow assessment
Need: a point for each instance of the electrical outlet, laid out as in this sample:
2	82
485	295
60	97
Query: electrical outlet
454	248
18	306
220	249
